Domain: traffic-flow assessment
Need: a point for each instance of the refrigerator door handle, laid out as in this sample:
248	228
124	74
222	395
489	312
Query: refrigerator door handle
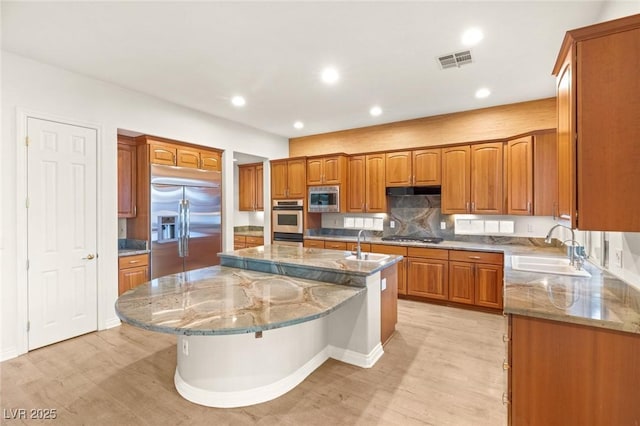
181	232
187	221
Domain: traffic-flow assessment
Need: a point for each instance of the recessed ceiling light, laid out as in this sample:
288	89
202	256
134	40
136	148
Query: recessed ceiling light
330	75
375	110
482	93
298	124
238	101
472	36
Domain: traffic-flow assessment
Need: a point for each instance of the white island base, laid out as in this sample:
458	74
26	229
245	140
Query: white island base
237	370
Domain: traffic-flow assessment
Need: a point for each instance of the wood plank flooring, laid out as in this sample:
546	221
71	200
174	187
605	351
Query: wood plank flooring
442	367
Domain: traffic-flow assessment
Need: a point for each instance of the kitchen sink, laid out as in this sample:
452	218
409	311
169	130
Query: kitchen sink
369	257
546	265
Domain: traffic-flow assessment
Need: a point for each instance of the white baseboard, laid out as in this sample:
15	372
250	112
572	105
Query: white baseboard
112	322
10	353
251	396
356	358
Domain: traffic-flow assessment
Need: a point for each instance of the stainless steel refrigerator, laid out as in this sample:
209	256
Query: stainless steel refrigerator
185	219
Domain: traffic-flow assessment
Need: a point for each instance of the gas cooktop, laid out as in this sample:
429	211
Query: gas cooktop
407	238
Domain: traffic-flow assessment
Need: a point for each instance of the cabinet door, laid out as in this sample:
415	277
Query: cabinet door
333	170
488	288
427	167
545	174
210	160
314	171
375	193
428	278
486	178
402	265
132	277
297	178
126	180
187	157
608	128
279	179
456	180
357	184
566	141
519	176
260	187
247	188
398	169
160	153
461	282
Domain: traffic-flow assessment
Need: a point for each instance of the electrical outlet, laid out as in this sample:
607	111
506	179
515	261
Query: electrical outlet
529	228
185	347
619	258
392	224
383	284
443	225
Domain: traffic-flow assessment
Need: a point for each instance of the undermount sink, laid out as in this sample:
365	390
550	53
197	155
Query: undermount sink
546	265
368	257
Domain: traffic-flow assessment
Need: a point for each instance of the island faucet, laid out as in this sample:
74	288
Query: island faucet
573	239
358	249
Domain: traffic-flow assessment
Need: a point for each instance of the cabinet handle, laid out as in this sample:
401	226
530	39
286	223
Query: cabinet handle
474	257
135	210
528	206
555	206
173	158
473	207
131	262
505	338
505	399
505	365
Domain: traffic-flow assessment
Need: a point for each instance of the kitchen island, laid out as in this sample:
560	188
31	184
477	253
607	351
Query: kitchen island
247	336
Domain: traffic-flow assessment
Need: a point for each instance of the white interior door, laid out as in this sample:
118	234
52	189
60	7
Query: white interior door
62	229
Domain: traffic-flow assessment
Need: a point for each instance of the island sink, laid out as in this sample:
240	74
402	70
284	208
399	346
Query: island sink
546	265
368	257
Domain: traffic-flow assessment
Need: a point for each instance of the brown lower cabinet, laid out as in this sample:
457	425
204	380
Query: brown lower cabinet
132	271
569	374
428	273
243	241
402	265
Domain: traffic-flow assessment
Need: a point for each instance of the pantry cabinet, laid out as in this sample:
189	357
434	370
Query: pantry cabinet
127	171
331	170
599	125
413	168
288	178
250	192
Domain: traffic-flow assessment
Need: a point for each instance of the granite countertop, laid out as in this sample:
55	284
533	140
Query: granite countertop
318	264
131	252
221	300
259	234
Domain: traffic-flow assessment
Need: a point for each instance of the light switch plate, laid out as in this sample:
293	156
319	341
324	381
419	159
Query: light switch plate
368	222
359	222
348	222
383	284
619	258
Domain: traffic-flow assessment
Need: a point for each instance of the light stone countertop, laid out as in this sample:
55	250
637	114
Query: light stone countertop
220	300
132	252
250	233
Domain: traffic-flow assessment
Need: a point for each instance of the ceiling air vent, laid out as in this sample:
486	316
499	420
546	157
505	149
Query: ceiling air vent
455	60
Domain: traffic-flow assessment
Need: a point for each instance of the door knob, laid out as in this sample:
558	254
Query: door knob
89	256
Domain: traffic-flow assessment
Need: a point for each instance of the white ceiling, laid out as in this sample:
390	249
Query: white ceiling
199	54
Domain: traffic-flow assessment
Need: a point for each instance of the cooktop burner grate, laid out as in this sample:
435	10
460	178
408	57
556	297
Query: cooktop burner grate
406	238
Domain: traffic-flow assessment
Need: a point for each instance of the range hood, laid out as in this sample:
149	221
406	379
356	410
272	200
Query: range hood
400	191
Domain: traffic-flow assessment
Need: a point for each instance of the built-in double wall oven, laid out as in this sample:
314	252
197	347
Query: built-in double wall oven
287	222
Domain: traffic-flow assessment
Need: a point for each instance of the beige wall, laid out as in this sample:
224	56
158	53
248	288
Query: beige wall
484	124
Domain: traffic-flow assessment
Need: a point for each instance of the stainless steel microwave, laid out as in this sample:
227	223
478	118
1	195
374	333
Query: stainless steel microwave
324	199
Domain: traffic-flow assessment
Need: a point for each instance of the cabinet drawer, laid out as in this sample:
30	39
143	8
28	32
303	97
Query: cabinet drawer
335	245
386	249
476	256
254	241
133	261
239	239
429	253
363	246
314	243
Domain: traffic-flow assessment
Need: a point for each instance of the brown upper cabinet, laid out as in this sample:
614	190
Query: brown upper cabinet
288	178
519	176
472	179
413	168
599	126
545	174
127	165
330	170
169	154
367	184
250	191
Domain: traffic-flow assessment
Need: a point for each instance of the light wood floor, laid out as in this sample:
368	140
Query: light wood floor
442	367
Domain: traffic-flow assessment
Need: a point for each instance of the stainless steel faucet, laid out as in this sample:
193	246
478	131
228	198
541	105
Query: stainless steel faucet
358	248
572	249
